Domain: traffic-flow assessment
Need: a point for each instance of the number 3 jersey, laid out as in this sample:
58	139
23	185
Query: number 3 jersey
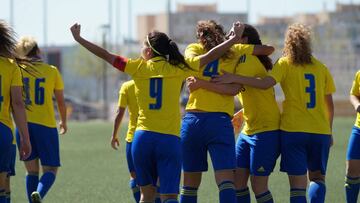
209	101
157	89
10	76
304	87
40	81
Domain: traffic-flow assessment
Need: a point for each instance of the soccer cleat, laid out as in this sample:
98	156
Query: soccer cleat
35	197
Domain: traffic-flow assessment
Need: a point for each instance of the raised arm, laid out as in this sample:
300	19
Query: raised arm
261	83
93	48
115	138
59	96
226	89
18	109
219	50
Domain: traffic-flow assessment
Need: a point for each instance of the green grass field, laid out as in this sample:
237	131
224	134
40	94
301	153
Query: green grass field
93	172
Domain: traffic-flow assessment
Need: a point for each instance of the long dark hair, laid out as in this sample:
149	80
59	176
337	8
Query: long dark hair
7	40
210	34
254	38
162	45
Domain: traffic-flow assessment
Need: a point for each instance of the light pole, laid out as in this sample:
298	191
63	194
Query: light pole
105	28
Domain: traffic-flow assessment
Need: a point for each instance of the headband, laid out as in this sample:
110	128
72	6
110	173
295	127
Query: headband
152	48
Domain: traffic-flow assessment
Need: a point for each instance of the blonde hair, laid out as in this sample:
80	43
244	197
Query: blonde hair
298	44
25	46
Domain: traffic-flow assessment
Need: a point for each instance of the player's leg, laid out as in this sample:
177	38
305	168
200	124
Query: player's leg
142	151
294	163
132	183
194	155
168	159
242	172
318	154
265	149
11	173
6	138
352	179
221	147
47	140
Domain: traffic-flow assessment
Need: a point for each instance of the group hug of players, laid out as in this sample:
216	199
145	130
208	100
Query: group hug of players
161	144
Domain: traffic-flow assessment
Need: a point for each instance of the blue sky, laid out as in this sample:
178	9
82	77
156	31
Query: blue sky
28	14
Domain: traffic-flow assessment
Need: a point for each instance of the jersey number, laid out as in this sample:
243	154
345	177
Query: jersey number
311	90
156	92
211	69
1	97
39	91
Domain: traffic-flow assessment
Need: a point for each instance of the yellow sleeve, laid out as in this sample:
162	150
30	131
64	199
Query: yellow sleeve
132	65
59	84
355	85
17	78
123	96
241	49
278	72
330	84
193	50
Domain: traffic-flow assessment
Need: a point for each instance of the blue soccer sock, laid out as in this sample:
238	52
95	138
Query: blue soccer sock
297	195
352	185
188	195
317	191
265	197
32	182
157	197
243	196
2	196
171	200
45	183
135	189
227	192
8	197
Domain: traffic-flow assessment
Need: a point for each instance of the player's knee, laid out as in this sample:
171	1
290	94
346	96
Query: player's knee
192	179
33	173
50	169
352	171
316	176
224	175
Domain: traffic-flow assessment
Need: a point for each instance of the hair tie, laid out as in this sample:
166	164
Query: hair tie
152	48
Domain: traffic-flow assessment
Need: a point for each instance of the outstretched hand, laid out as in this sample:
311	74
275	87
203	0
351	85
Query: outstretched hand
75	31
236	30
225	78
115	142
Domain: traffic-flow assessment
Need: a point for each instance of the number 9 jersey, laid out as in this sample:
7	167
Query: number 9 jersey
40	81
305	88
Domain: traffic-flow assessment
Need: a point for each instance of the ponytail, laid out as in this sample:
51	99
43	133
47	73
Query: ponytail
254	38
162	45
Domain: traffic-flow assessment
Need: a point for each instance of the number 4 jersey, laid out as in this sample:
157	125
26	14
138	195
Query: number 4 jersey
305	88
40	81
157	89
10	76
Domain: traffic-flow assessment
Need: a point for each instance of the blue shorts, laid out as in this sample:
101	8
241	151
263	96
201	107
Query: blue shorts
301	152
203	132
157	156
129	158
45	144
353	150
258	152
6	138
12	160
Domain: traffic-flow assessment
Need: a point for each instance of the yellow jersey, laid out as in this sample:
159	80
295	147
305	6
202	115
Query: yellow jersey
39	86
10	76
260	110
305	88
157	89
355	90
127	98
206	100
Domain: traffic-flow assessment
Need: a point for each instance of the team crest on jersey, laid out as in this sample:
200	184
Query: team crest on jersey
242	59
242	88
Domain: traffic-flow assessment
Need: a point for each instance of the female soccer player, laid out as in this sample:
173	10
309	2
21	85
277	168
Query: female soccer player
10	100
352	179
258	145
207	124
40	85
307	117
158	77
